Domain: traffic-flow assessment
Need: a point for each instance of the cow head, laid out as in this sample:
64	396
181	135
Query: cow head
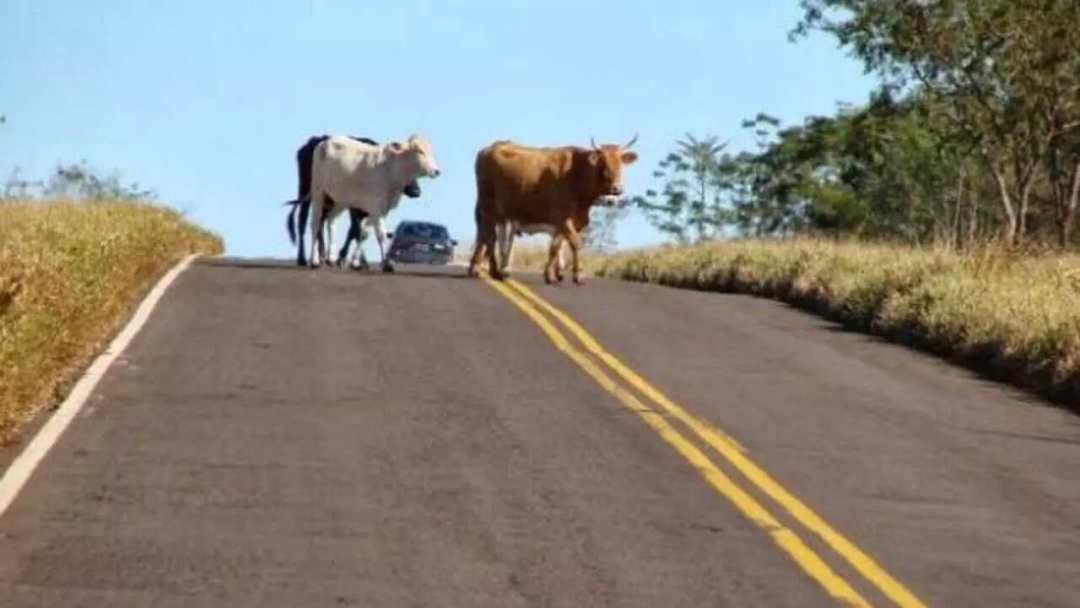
604	166
417	156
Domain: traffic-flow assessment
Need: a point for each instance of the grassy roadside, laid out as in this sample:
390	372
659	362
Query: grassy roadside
1014	319
70	273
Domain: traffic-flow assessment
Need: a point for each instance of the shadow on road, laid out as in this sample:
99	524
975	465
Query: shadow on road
271	264
982	367
400	270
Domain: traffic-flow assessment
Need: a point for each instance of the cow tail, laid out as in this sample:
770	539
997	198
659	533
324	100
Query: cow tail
305	207
290	223
290	220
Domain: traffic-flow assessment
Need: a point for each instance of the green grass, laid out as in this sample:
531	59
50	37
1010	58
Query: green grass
1014	318
70	274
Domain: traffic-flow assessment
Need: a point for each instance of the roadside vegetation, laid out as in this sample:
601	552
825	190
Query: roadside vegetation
939	212
76	254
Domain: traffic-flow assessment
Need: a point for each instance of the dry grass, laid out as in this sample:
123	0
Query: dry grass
70	273
1014	318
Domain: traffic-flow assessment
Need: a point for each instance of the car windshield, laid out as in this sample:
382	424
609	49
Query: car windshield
424	231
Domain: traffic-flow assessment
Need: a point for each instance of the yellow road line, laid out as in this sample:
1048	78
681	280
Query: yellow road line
785	538
734	454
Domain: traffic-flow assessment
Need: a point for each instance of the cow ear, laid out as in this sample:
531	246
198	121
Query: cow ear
628	157
395	147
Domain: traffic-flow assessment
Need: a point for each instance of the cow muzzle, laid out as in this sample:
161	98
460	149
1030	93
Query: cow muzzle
612	197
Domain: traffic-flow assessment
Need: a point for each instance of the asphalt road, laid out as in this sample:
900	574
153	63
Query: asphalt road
282	437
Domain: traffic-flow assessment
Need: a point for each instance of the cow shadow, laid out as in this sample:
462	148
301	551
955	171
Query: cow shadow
415	273
253	263
421	271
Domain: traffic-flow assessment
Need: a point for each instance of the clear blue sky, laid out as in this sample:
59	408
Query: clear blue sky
206	102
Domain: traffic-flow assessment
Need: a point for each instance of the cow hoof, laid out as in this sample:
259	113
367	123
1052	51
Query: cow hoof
386	267
472	272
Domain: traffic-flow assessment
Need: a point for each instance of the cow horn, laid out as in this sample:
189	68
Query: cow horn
631	142
592	142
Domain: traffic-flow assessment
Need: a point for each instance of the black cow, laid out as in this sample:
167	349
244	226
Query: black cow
356	231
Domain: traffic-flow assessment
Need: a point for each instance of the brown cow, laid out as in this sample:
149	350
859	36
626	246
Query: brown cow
544	185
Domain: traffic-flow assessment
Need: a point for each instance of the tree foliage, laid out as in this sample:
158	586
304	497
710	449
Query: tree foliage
75	181
690	207
973	133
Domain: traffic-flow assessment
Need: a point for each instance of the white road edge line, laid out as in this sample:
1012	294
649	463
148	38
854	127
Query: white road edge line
31	456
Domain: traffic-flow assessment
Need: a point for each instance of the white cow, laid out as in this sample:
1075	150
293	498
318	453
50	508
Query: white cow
504	236
364	176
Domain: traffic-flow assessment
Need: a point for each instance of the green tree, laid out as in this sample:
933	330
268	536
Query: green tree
766	185
1002	72
78	181
81	181
690	206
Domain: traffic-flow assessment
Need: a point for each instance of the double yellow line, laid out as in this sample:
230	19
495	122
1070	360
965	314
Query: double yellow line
532	305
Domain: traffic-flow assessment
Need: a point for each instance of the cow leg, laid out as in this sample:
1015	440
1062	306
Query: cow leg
478	251
359	260
380	236
356	217
575	249
328	246
301	222
478	243
557	239
504	236
328	203
343	253
562	264
317	200
349	236
554	247
488	234
323	251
